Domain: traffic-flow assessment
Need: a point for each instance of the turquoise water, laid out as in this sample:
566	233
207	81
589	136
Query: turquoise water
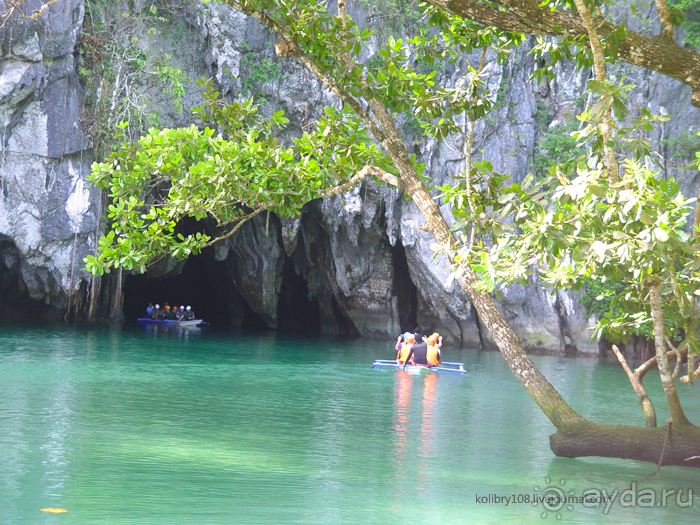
147	426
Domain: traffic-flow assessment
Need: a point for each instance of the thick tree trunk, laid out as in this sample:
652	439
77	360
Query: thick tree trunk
628	442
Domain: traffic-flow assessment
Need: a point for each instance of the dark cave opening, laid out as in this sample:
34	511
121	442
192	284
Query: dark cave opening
202	284
16	305
404	290
296	313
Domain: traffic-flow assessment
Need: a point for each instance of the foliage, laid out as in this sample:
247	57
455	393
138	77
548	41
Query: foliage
256	71
392	17
599	298
172	78
689	12
632	234
119	73
171	174
685	146
558	146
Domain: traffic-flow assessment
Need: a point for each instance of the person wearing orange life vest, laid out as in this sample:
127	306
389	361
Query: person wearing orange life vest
434	345
403	349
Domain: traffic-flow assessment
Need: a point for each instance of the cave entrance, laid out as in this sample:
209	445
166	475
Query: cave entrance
202	284
296	314
404	290
16	305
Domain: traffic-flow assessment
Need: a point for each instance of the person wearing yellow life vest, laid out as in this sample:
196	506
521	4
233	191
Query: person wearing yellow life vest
434	345
403	349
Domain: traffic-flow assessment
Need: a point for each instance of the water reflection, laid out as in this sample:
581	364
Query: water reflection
402	398
406	449
425	451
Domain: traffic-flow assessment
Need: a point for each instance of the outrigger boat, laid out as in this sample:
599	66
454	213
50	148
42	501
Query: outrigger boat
413	369
191	323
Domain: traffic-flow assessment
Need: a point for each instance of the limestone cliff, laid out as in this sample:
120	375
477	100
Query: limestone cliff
362	258
48	213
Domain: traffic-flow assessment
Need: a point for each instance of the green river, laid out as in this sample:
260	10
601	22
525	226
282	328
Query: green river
166	427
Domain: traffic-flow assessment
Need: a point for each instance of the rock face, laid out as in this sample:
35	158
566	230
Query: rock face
48	214
358	264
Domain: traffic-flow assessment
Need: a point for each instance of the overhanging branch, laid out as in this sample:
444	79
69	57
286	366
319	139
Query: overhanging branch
656	53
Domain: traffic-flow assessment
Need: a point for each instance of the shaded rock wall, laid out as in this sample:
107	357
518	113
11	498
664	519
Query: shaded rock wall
47	210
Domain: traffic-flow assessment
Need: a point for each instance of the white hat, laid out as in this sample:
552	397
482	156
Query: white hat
157	306
189	308
182	308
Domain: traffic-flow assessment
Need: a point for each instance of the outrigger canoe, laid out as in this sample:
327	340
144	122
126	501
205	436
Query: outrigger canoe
444	367
192	323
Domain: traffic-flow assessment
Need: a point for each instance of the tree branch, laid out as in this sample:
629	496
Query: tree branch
644	401
605	124
336	190
651	363
656	53
665	19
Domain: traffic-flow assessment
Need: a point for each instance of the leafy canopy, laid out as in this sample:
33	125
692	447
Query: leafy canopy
225	177
572	231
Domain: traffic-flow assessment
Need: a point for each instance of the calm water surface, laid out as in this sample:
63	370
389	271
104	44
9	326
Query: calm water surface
162	427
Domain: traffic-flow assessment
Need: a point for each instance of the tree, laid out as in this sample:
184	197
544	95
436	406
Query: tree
562	19
329	46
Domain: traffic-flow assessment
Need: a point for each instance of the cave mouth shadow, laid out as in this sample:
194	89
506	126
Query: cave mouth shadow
16	305
296	313
203	284
405	290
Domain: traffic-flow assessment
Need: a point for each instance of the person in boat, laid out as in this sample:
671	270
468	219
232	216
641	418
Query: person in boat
189	313
149	309
155	313
418	355
180	314
166	311
434	345
403	348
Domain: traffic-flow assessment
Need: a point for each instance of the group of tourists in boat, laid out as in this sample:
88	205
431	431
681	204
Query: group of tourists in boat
418	350
169	314
419	354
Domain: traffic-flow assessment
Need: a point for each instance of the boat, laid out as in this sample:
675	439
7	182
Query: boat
190	323
443	367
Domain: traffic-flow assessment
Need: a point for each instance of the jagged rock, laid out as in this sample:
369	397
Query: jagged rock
290	230
47	210
28	49
254	263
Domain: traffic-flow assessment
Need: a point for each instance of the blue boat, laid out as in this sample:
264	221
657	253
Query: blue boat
444	367
191	323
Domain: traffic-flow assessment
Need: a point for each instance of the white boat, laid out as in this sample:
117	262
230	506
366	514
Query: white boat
443	367
191	323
